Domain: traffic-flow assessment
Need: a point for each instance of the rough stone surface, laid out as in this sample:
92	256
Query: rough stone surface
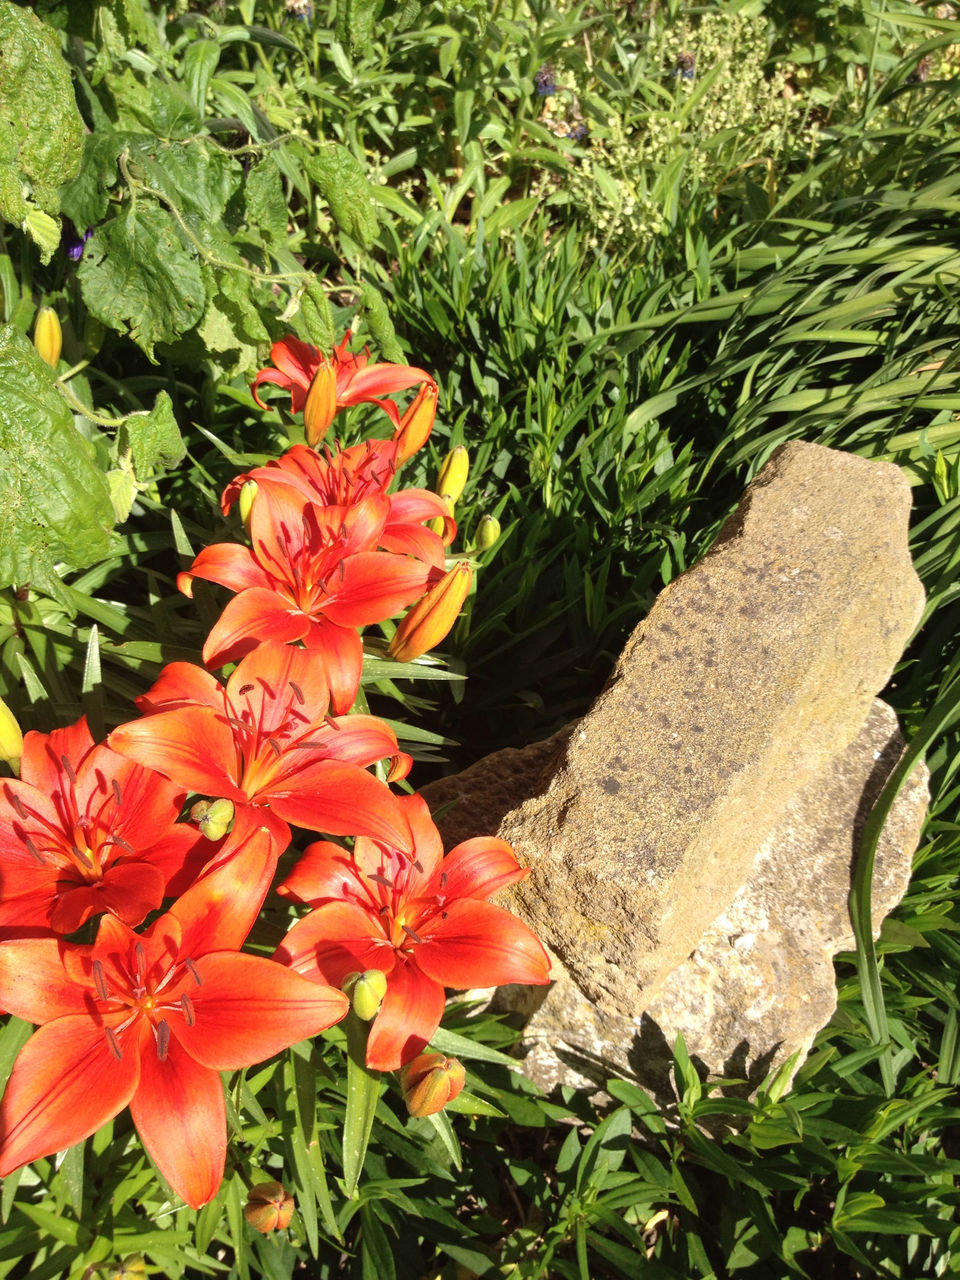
752	674
759	984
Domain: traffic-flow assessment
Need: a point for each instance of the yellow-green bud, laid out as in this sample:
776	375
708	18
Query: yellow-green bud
11	738
366	992
488	533
453	474
248	492
269	1207
133	1267
213	817
430	1081
48	336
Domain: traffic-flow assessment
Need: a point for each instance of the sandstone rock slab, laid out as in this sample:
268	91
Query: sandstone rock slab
750	673
732	708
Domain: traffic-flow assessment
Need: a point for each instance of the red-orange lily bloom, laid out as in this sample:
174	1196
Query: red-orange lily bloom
266	740
345	477
348	379
313	574
423	920
84	831
149	1021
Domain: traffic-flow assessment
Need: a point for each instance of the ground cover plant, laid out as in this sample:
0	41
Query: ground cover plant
628	281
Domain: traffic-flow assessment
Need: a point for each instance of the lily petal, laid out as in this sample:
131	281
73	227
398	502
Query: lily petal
180	1115
248	1008
408	1017
336	939
65	1084
480	867
475	944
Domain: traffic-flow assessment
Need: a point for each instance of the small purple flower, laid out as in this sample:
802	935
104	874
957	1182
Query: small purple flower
545	81
74	243
578	132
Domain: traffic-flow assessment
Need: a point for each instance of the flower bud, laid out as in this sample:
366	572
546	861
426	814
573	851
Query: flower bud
488	533
437	524
269	1207
430	1081
366	992
11	738
321	404
48	336
431	618
248	491
213	817
417	423
133	1267
453	474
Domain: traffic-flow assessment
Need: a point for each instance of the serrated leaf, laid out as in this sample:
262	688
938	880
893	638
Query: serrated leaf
54	501
264	200
41	130
195	176
84	199
380	325
153	439
137	277
343	184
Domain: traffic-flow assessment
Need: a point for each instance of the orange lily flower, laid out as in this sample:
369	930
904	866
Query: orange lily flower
84	831
149	1021
266	742
335	382
422	919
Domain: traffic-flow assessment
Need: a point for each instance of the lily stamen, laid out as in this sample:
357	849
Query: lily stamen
114	1044
100	981
162	1033
186	1004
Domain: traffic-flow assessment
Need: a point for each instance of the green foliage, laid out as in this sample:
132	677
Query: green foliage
54	502
618	374
40	127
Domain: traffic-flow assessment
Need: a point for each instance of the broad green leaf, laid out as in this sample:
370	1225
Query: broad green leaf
54	501
41	131
265	203
343	183
153	439
85	198
139	279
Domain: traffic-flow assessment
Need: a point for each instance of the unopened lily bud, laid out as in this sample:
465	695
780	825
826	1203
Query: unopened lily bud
436	525
321	404
269	1207
133	1267
431	618
417	423
453	474
11	738
366	992
248	491
48	336
488	533
213	817
430	1081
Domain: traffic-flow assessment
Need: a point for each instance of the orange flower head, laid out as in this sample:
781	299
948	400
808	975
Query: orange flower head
430	1081
269	1207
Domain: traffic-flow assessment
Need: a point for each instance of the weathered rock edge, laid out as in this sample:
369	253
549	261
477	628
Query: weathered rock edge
751	674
